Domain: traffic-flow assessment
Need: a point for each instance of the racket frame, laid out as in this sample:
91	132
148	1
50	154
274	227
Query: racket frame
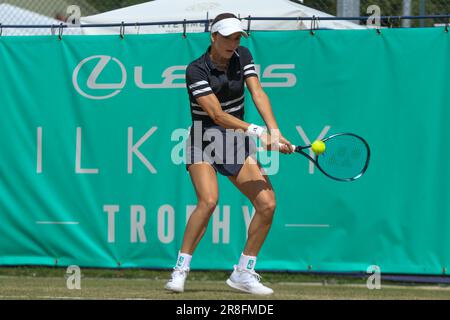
299	149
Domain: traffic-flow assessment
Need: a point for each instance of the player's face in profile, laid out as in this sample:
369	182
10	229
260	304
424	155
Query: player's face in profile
225	46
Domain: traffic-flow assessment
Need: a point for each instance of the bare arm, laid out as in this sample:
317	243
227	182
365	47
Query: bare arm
211	105
262	102
264	107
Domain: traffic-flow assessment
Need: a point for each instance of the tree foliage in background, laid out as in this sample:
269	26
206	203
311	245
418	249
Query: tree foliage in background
389	8
57	9
102	5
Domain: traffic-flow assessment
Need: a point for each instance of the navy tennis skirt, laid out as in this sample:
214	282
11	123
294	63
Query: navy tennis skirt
225	149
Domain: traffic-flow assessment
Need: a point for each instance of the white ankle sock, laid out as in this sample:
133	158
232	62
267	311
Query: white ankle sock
247	262
183	261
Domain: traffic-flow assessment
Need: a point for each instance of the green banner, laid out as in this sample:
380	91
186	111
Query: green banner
92	173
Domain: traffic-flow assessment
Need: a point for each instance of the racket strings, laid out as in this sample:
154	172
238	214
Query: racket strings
345	157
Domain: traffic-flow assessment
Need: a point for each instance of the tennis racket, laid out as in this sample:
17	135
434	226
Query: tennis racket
346	156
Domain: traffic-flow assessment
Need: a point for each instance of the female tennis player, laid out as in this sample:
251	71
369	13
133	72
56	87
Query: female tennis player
215	84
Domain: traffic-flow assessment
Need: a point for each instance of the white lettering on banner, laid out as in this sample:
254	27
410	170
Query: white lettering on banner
166	231
134	149
247	217
165	222
290	78
169	76
223	224
93	76
268	161
308	142
78	168
137	226
111	210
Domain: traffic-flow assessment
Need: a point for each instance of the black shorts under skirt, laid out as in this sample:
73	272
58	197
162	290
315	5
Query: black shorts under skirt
225	149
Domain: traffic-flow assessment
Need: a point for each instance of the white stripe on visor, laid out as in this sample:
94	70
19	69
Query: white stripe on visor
228	26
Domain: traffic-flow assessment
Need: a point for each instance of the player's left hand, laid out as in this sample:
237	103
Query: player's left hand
286	146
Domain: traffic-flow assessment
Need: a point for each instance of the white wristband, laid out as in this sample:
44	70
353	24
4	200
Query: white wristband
255	130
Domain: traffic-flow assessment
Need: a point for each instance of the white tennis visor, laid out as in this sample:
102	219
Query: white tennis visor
228	26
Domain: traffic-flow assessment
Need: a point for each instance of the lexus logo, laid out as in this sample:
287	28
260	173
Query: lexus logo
103	61
170	78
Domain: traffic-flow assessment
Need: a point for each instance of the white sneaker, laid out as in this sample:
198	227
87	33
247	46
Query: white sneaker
247	281
178	277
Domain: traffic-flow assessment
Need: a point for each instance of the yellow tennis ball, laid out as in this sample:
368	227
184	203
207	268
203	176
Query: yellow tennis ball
318	147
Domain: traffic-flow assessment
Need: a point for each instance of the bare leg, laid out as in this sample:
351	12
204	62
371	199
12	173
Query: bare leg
258	189
205	183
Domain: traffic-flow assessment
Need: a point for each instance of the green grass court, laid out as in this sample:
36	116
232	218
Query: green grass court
50	283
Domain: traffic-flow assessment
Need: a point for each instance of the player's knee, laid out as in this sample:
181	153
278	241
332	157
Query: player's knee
208	203
267	208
